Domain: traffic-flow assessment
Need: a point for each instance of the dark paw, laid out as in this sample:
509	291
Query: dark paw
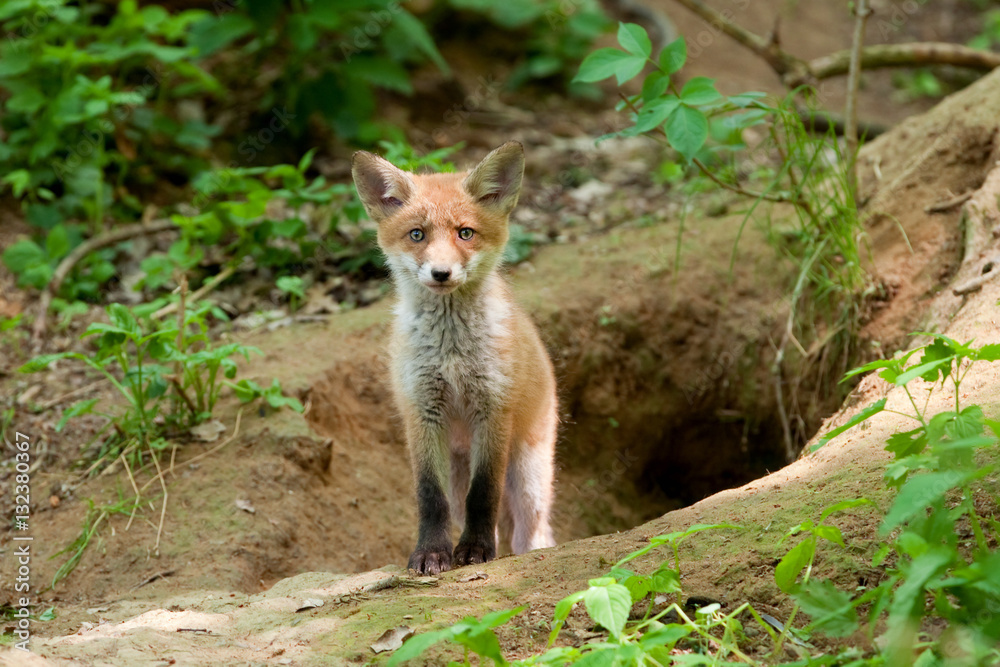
431	561
470	553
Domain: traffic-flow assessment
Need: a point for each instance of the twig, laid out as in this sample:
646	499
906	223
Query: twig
104	240
163	508
135	488
948	204
977	283
180	392
152	578
198	293
861	12
779	199
51	403
781	62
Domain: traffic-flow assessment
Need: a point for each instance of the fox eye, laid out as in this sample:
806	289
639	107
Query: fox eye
417	235
466	233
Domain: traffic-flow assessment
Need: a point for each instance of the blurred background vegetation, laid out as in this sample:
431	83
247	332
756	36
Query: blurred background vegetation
200	113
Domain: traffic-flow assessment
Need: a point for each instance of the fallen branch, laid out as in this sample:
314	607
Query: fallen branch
992	271
861	12
948	204
795	71
104	240
905	55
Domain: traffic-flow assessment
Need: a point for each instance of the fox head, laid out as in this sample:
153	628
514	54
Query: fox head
442	231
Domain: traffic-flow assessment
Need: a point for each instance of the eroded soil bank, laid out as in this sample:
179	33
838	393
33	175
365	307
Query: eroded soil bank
634	339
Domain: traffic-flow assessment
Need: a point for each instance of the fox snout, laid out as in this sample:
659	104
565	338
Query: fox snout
442	277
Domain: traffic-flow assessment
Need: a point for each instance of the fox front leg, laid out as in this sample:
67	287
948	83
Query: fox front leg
430	463
490	445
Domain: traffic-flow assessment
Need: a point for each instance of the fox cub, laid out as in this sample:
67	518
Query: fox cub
470	374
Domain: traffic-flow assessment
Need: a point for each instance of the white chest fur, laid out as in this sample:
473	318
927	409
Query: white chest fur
452	345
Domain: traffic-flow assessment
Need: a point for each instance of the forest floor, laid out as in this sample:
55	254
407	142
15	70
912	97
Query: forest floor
662	359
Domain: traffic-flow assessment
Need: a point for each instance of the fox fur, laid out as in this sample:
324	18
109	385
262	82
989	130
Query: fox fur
470	374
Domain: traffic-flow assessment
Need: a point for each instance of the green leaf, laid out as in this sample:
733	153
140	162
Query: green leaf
655	113
23	255
605	63
414	32
215	32
792	563
870	411
921	491
633	39
673	56
988	352
81	408
665	580
416	645
563	607
664	635
907	443
699	90
687	130
654	86
609	606
930	371
122	318
830	608
42	362
57	243
830	534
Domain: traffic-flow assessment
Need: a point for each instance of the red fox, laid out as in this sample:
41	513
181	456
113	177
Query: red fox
470	374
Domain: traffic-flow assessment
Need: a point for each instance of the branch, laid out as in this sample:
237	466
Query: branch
861	12
116	235
796	72
905	55
781	62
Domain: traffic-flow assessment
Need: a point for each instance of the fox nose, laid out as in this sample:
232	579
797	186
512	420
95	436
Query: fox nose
441	275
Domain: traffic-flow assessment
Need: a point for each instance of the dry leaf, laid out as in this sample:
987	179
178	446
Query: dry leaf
310	603
392	639
245	505
473	577
208	431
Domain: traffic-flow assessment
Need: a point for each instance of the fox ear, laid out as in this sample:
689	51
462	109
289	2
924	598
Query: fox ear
382	187
495	183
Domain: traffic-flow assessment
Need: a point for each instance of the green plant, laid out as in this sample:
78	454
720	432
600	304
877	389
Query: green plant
331	57
936	472
556	34
84	116
248	391
170	377
791	165
294	288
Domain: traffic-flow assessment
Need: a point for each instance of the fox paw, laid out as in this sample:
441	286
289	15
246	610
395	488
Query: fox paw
472	553
430	561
